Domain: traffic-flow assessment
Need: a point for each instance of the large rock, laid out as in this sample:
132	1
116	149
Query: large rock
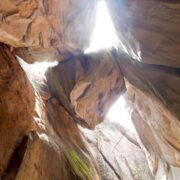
39	139
161	83
42	161
46	30
158	131
87	86
149	30
117	152
17	103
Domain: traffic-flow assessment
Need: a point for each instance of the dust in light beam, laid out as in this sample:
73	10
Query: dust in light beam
104	35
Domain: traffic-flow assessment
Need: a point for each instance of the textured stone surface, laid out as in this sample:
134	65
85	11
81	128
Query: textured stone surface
157	129
87	86
39	139
97	88
150	28
159	82
46	29
155	104
42	161
16	106
117	156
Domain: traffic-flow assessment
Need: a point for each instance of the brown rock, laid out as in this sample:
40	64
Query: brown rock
97	88
16	106
87	86
159	82
42	161
116	155
157	129
150	28
54	26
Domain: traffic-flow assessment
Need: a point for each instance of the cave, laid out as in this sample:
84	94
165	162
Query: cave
89	90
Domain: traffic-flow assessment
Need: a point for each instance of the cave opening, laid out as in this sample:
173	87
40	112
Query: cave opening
104	34
99	98
117	130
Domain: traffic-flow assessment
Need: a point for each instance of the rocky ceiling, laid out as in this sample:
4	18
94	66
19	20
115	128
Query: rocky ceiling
39	134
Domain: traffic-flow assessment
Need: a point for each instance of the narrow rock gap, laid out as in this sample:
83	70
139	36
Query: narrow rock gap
15	160
109	164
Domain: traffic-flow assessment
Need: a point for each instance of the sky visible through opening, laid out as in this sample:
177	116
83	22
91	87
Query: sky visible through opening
104	35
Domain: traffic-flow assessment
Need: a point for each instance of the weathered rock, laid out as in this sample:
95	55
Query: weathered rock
40	140
149	29
157	129
58	151
160	83
55	27
97	88
17	103
117	157
87	86
43	161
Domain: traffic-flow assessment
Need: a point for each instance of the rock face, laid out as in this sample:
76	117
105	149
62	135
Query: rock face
57	151
41	161
118	157
155	103
16	107
46	29
149	29
159	82
96	88
157	129
87	86
36	133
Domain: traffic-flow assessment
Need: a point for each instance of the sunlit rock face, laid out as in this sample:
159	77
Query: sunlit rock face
159	82
155	104
158	131
39	138
97	87
149	29
87	86
57	151
117	151
47	30
42	161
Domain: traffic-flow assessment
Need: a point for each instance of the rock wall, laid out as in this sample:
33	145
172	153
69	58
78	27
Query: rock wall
87	86
117	152
46	29
16	107
39	139
149	30
152	93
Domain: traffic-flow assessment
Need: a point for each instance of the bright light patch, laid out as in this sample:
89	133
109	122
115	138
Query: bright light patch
36	72
121	114
38	68
104	35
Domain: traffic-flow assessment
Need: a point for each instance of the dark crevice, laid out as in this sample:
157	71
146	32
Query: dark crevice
15	160
127	164
110	165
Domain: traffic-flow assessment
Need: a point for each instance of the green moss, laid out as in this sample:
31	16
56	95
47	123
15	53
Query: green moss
80	165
